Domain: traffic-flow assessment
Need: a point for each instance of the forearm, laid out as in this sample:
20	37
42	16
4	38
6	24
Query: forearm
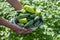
14	27
16	4
9	25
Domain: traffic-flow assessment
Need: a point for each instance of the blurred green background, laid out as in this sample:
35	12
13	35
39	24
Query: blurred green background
49	30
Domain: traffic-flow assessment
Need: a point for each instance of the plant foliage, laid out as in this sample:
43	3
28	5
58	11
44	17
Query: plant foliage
49	30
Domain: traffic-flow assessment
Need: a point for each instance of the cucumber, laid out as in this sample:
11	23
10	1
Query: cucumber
32	16
24	15
23	20
29	23
29	8
20	24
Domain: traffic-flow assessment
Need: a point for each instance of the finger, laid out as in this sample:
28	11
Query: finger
25	31
29	30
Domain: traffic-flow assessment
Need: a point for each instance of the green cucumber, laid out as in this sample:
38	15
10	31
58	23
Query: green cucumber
24	15
20	24
23	20
29	8
32	16
29	23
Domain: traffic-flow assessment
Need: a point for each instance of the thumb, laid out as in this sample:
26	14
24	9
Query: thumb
24	31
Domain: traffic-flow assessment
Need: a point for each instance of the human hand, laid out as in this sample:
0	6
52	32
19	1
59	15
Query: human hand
20	30
24	31
14	27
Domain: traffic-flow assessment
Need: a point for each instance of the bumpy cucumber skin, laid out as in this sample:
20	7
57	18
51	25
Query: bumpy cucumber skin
29	9
23	20
20	24
29	23
24	15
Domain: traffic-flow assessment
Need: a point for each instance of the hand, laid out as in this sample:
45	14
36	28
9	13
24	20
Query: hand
14	27
24	31
20	30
